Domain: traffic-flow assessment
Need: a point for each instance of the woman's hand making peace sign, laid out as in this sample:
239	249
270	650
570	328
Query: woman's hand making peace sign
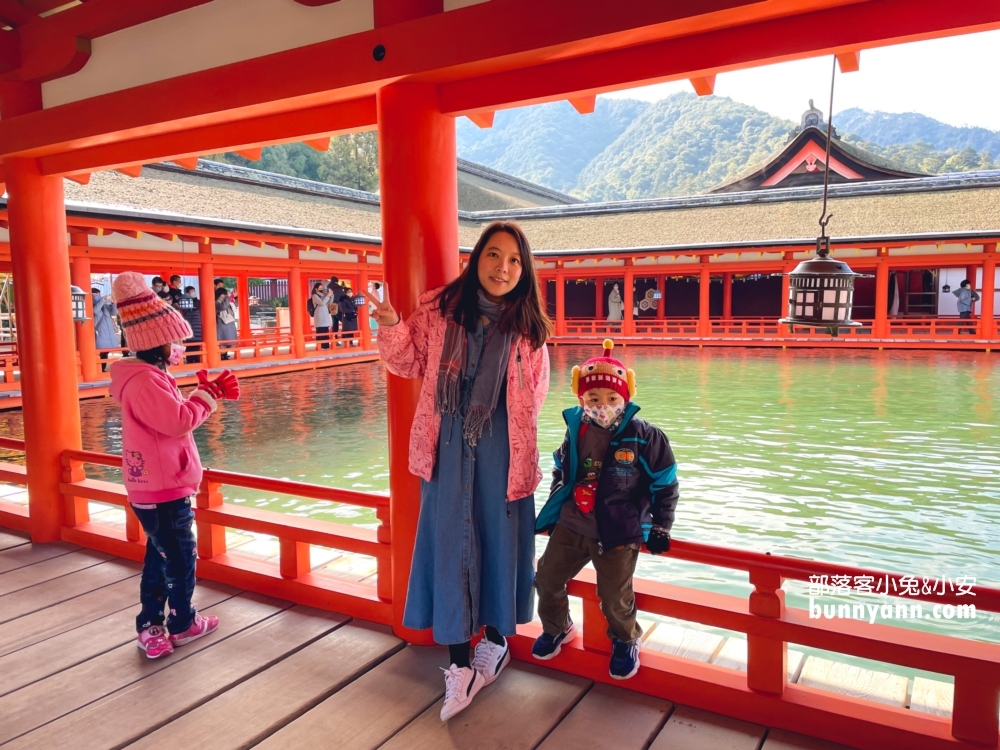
384	311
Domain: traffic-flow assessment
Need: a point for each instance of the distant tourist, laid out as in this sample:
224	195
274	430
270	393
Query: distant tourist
336	292
319	308
192	314
635	488
616	307
479	345
225	320
105	335
160	287
967	296
161	468
174	292
348	314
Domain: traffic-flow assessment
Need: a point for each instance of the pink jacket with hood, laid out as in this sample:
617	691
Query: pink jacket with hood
160	461
412	349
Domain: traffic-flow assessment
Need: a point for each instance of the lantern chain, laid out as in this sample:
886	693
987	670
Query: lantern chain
823	241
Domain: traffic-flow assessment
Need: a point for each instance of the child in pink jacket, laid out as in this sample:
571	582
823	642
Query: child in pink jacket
160	463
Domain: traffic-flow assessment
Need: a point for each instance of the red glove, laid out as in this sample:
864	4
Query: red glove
226	386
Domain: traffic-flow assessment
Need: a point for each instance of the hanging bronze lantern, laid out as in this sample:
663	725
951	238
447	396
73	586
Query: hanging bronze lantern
79	302
821	292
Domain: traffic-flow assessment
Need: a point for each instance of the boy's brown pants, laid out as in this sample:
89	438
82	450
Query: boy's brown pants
564	557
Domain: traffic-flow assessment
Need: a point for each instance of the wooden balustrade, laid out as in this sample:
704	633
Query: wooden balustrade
12	515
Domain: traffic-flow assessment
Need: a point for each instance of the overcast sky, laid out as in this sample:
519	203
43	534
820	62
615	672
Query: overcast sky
953	80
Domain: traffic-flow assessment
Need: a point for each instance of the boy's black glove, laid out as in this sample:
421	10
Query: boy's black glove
659	540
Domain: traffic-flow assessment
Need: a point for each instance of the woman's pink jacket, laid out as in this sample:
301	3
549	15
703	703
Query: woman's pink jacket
412	348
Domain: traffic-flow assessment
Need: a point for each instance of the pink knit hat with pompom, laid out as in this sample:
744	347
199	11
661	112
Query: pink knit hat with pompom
148	321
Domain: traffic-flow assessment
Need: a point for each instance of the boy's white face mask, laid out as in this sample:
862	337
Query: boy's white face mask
603	414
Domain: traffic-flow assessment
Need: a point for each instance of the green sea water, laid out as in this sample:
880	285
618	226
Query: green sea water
884	460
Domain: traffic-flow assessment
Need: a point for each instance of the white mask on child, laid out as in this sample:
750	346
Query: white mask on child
176	354
604	415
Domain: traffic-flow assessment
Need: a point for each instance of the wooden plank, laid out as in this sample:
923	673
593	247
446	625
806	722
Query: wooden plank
692	729
733	655
846	679
518	710
57	567
610	717
255	709
40	660
373	708
185	681
67	615
46	594
699	645
779	739
10	539
932	696
56	696
29	554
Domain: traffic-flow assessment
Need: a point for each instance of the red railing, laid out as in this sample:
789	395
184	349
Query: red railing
291	578
762	694
13	515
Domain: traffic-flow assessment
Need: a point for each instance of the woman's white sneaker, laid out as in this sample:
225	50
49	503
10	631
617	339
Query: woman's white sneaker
460	686
490	659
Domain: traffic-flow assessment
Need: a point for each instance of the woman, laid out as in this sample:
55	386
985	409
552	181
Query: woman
104	325
349	314
616	308
322	320
479	344
225	319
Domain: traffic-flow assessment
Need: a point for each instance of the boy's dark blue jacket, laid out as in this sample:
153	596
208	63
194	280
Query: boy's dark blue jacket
637	487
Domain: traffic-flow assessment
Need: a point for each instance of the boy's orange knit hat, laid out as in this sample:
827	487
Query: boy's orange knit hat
604	372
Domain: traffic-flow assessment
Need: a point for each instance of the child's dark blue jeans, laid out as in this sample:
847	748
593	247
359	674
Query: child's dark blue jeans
168	569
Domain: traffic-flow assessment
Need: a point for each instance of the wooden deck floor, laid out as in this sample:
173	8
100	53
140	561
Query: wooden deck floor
283	676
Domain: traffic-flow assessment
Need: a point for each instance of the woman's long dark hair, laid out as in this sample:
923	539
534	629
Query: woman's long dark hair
523	314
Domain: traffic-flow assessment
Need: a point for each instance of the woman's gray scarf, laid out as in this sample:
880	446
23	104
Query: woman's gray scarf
490	378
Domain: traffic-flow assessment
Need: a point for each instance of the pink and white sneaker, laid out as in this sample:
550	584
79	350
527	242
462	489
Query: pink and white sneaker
155	642
201	625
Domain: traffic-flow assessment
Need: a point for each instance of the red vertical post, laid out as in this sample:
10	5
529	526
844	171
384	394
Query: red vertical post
297	305
767	658
243	300
40	263
598	299
628	324
786	287
417	170
727	296
86	343
364	322
206	292
704	290
987	324
880	328
560	301
661	305
971	272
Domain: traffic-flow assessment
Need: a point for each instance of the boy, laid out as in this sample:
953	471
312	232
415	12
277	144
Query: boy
614	489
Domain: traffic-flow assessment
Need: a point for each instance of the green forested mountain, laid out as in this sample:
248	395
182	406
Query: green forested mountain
625	149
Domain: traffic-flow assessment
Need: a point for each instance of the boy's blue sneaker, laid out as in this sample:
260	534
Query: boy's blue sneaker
624	658
548	646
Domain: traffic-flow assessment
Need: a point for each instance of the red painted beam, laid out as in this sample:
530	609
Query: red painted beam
338	118
14	14
870	24
59	44
389	12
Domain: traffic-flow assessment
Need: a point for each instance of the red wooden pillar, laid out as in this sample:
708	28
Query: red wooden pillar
297	304
243	300
987	323
786	287
86	343
628	324
704	288
880	328
598	299
40	264
560	300
727	296
661	305
206	292
419	189
364	322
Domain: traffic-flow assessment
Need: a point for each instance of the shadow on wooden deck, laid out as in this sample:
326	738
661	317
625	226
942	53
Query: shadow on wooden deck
282	676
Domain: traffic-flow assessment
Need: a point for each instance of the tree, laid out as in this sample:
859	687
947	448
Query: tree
352	161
